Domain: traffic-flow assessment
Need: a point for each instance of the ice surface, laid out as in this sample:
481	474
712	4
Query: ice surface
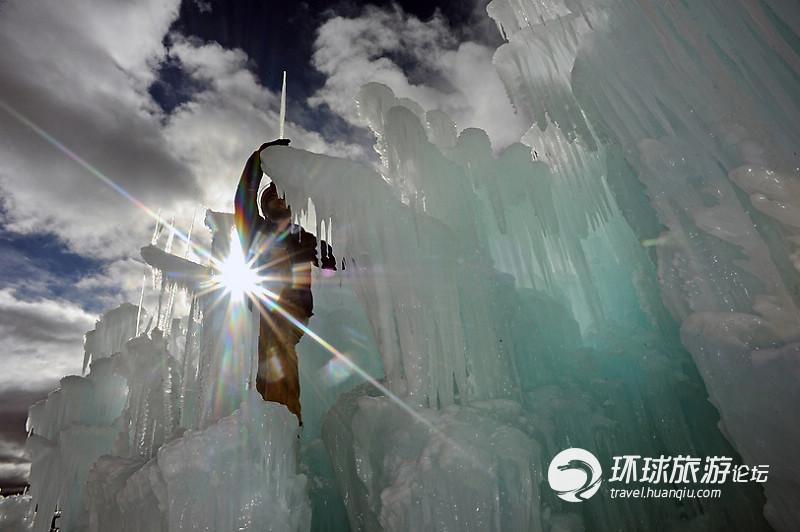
125	447
110	333
238	474
746	377
460	468
556	301
592	285
700	97
249	457
152	413
73	427
14	513
423	345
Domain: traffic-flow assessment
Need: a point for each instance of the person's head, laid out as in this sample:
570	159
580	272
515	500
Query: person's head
273	206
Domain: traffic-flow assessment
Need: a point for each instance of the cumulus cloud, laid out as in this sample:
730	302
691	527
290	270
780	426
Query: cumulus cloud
82	76
42	340
219	127
422	60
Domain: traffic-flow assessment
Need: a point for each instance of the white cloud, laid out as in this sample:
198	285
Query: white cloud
83	76
80	70
421	60
42	340
118	282
231	117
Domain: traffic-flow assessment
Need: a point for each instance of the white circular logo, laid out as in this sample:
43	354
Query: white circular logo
575	474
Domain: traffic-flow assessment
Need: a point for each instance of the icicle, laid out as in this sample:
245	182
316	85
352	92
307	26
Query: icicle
282	118
322	232
189	236
167	320
161	299
156	229
171	237
141	301
187	347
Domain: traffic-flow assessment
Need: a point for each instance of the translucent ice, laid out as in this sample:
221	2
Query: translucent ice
247	463
459	468
592	285
701	98
534	270
111	451
14	513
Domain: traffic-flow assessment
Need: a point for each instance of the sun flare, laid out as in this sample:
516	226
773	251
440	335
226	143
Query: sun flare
234	274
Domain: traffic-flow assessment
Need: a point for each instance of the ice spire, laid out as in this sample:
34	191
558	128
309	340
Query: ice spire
282	118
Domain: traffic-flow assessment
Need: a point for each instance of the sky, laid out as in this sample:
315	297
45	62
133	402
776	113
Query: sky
165	100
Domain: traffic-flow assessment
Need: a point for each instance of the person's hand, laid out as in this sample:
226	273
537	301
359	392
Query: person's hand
276	142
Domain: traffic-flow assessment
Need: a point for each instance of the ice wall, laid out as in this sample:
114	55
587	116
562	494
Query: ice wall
14	513
589	286
434	306
701	100
110	333
569	308
166	432
442	472
70	429
237	474
414	264
247	461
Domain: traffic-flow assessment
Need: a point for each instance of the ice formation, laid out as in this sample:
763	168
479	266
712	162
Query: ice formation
15	513
635	254
535	353
701	100
125	447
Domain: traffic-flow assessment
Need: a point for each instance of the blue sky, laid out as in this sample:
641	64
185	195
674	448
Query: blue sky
167	99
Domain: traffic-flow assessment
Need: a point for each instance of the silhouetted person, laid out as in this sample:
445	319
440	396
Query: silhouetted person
283	252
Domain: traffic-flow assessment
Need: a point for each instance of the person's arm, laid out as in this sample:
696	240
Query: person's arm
245	203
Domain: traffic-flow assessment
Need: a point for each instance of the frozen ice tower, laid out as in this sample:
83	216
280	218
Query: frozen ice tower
166	431
623	279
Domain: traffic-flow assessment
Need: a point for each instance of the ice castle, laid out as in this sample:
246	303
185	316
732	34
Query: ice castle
624	280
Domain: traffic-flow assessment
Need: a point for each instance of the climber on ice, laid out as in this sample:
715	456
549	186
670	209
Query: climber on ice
284	253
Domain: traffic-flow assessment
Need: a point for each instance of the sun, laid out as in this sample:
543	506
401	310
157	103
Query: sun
234	274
